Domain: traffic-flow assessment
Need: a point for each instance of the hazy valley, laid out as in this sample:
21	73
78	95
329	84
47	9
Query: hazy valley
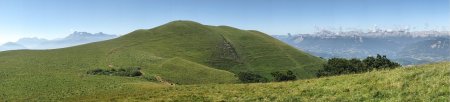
405	48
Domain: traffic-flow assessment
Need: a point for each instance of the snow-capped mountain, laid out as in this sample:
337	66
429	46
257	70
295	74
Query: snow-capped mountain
404	47
382	33
76	38
88	36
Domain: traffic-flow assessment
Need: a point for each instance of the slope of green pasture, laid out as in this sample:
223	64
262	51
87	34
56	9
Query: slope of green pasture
423	83
207	54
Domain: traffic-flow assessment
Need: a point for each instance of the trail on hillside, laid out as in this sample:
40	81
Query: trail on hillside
161	80
225	56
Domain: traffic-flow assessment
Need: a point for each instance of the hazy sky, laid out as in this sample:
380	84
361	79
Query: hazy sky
58	18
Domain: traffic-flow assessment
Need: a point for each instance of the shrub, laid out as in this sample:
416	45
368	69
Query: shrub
248	77
338	66
136	73
283	76
131	72
95	71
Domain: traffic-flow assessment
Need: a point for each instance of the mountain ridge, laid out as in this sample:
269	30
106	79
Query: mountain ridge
76	38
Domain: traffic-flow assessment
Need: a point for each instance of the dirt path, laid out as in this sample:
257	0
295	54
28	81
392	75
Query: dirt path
162	80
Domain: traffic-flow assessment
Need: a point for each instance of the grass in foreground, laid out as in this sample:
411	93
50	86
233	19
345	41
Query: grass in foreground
420	83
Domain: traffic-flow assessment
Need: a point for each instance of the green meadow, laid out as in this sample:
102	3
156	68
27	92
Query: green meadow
409	84
189	61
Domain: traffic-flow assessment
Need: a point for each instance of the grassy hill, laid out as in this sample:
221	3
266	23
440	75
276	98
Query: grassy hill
180	52
419	83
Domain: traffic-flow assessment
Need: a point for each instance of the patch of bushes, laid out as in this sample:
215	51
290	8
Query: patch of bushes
283	76
338	66
248	77
129	72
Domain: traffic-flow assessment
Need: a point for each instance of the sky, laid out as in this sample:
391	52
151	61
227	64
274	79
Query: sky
58	18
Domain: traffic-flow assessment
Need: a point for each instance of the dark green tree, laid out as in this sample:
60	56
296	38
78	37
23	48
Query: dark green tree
131	72
369	62
248	77
338	66
283	76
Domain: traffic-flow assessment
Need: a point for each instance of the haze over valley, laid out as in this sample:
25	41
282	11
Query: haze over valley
405	47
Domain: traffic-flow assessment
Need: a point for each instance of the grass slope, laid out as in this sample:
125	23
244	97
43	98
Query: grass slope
420	83
182	52
176	71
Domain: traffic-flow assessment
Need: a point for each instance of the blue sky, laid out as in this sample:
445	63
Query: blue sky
58	18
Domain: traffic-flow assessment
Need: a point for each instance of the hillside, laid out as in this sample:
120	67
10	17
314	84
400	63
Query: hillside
180	52
222	47
422	83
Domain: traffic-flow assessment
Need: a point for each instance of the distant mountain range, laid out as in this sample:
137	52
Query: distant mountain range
404	48
76	38
11	46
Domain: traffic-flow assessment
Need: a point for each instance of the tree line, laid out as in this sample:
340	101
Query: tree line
334	66
129	72
278	76
338	66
